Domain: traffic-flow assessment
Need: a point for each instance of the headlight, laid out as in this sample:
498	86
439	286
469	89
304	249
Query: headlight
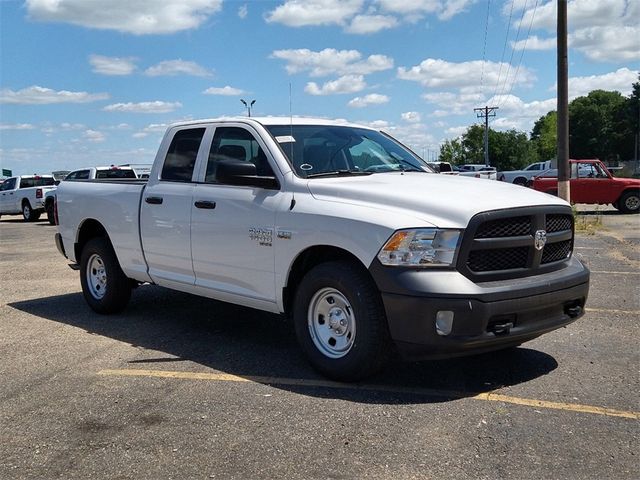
424	247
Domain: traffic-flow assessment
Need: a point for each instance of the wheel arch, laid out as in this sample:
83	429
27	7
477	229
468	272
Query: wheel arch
308	259
90	228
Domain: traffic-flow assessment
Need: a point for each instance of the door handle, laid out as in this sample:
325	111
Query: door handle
154	200
205	204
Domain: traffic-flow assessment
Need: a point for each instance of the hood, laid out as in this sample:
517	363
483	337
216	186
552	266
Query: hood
444	201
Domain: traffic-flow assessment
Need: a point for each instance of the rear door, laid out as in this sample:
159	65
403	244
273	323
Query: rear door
233	227
165	212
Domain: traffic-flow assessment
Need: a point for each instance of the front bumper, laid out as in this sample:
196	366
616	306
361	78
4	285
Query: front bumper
487	316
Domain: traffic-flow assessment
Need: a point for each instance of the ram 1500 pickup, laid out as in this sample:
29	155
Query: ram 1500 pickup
339	227
25	195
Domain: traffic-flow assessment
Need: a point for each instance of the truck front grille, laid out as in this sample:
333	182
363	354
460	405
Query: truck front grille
502	244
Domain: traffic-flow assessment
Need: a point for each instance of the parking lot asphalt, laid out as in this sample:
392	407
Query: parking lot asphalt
181	387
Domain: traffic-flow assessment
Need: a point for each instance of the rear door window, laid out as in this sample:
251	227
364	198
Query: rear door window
181	156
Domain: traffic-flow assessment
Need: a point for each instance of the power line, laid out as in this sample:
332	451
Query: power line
484	49
504	48
506	78
524	47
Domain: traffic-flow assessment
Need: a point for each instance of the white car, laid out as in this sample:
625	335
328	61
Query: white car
25	195
338	226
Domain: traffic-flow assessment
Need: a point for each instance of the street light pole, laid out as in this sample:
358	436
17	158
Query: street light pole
248	105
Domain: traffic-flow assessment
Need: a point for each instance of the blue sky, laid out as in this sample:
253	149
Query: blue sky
96	82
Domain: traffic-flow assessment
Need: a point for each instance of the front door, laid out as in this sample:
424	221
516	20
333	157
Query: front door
232	227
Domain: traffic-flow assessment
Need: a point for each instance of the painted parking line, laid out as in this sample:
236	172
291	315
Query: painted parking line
612	310
489	397
607	272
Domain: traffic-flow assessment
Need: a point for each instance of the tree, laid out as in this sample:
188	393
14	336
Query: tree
545	135
596	127
507	150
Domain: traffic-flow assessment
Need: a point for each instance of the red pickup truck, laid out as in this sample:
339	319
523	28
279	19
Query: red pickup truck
591	182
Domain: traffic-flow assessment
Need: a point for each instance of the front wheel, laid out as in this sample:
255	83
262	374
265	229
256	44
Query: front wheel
629	202
104	285
340	321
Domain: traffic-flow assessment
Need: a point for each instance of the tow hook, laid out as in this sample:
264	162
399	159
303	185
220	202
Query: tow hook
500	328
574	311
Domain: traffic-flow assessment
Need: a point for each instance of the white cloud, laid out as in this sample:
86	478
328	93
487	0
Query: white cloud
94	136
16	126
365	24
620	80
332	62
138	17
243	11
444	9
603	30
177	67
535	43
143	107
608	44
36	95
436	73
411	117
345	84
370	99
451	103
301	13
156	128
112	65
456	131
225	91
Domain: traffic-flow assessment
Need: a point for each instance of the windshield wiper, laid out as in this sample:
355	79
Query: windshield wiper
338	173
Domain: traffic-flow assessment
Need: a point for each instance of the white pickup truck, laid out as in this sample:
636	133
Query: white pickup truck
522	177
25	195
337	226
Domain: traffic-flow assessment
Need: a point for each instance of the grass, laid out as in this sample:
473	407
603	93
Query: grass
587	224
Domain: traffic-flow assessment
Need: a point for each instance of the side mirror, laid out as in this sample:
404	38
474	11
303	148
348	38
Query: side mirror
245	174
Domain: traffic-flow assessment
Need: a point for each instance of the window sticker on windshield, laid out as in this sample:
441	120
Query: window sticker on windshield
285	139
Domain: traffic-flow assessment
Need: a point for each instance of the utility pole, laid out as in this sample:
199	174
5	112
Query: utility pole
564	191
485	113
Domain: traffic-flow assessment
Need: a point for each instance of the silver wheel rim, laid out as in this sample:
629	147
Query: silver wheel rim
26	211
332	323
96	277
632	202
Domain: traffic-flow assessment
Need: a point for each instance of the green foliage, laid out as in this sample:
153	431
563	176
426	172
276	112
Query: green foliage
507	150
545	135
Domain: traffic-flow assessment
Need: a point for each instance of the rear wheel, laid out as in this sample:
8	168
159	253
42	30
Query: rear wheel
629	202
520	181
340	321
104	285
50	215
28	213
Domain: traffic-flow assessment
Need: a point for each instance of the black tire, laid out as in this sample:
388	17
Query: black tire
105	287
629	202
28	213
50	215
520	181
345	292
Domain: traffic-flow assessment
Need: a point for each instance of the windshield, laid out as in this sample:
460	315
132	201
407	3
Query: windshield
321	150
